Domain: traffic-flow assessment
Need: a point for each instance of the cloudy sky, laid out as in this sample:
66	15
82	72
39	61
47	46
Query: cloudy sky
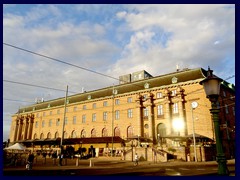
110	39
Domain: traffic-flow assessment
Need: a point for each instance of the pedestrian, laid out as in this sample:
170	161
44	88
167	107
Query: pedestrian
30	159
60	159
136	159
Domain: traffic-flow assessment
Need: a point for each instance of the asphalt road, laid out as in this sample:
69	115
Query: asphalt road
103	167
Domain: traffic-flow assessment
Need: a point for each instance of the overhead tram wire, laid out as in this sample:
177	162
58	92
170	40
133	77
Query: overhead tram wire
6	99
70	64
27	84
60	61
67	63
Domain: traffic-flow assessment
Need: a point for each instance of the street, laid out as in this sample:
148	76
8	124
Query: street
103	167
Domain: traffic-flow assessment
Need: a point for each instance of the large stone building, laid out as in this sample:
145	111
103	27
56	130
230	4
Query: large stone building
145	112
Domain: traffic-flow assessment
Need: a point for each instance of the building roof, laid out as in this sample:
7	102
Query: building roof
158	81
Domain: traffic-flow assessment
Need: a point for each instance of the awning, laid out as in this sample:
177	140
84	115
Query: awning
200	137
93	140
72	141
190	136
140	138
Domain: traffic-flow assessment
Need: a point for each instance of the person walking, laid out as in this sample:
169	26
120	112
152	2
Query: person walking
136	160
30	161
60	159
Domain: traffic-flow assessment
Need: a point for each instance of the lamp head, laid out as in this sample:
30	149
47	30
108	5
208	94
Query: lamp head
211	84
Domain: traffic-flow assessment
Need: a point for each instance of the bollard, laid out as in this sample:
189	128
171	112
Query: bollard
91	163
77	160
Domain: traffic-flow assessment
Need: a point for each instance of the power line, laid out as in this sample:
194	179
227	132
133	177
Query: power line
6	99
27	84
229	77
60	61
70	64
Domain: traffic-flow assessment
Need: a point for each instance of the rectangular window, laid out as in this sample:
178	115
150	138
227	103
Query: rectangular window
44	114
66	110
174	92
50	123
43	123
58	111
159	95
50	113
104	116
224	94
66	121
36	124
84	118
37	115
105	103
130	113
75	109
145	97
233	109
226	108
58	122
117	114
160	110
129	100
117	101
84	107
94	106
175	108
94	117
74	120
145	112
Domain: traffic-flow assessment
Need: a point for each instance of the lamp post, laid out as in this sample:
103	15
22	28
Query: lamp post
138	141
211	86
193	106
158	135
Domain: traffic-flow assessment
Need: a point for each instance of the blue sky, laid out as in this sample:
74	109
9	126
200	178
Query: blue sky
110	39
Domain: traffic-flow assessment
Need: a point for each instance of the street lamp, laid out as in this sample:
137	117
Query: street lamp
194	105
211	86
138	141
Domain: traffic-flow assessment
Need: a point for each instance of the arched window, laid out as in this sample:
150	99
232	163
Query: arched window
161	129
93	133
130	131
83	133
56	135
65	135
117	131
49	135
74	134
35	136
161	132
104	132
42	136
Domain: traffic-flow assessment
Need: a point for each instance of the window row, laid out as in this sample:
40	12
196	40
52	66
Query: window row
84	118
105	116
84	107
83	133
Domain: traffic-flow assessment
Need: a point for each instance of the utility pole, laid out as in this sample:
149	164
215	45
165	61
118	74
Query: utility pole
64	117
114	92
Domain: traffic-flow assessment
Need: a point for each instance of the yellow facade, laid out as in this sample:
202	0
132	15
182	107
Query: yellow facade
148	111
